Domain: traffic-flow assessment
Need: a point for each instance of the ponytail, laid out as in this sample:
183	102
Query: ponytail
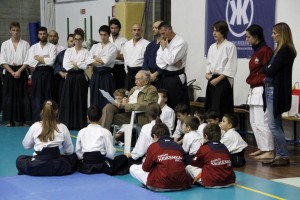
49	116
153	111
158	120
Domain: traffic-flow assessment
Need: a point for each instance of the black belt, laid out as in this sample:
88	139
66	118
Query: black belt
119	65
43	67
133	69
47	153
75	71
93	157
102	70
173	73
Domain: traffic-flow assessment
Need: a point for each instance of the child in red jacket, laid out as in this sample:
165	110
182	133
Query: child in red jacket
211	166
164	168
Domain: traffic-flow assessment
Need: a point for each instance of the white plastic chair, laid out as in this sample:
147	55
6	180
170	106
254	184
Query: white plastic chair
128	131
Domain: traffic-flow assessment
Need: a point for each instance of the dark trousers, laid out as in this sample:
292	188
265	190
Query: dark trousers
119	75
113	115
42	89
238	159
95	162
48	162
219	97
178	91
16	102
130	77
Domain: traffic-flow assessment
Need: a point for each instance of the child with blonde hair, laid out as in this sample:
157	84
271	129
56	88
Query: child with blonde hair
48	137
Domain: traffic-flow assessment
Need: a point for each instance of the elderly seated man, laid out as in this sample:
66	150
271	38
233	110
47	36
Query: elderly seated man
138	99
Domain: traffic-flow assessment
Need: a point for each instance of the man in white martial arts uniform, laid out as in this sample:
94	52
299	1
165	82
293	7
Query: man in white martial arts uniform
134	55
16	103
102	58
118	70
171	57
41	58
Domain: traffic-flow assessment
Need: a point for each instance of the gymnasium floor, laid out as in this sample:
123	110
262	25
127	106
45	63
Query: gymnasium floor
101	186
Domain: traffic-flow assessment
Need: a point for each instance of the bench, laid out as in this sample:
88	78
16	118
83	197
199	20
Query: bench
294	120
239	111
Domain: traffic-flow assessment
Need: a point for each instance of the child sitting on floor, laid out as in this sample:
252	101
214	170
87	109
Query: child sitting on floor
191	139
181	111
164	168
233	140
212	117
94	147
47	137
202	119
167	114
211	166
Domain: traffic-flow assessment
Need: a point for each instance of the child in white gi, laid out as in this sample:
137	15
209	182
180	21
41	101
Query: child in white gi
167	114
94	148
202	119
233	140
48	137
181	111
191	140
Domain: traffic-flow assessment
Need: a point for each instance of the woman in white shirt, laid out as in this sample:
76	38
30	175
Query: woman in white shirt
75	90
47	137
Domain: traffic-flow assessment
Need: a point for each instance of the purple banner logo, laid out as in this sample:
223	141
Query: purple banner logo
239	15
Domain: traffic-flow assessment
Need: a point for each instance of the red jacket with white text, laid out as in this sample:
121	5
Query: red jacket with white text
214	159
165	162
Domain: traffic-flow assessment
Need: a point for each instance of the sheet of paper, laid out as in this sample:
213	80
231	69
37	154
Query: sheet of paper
107	96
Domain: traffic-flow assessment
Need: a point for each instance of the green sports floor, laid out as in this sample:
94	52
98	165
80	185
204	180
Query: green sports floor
78	186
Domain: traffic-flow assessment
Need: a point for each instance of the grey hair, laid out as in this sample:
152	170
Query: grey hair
146	75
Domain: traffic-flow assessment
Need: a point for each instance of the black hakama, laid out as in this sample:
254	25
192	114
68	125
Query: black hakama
130	77
16	102
178	92
95	163
119	75
58	86
58	80
219	97
47	162
101	79
42	89
73	104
